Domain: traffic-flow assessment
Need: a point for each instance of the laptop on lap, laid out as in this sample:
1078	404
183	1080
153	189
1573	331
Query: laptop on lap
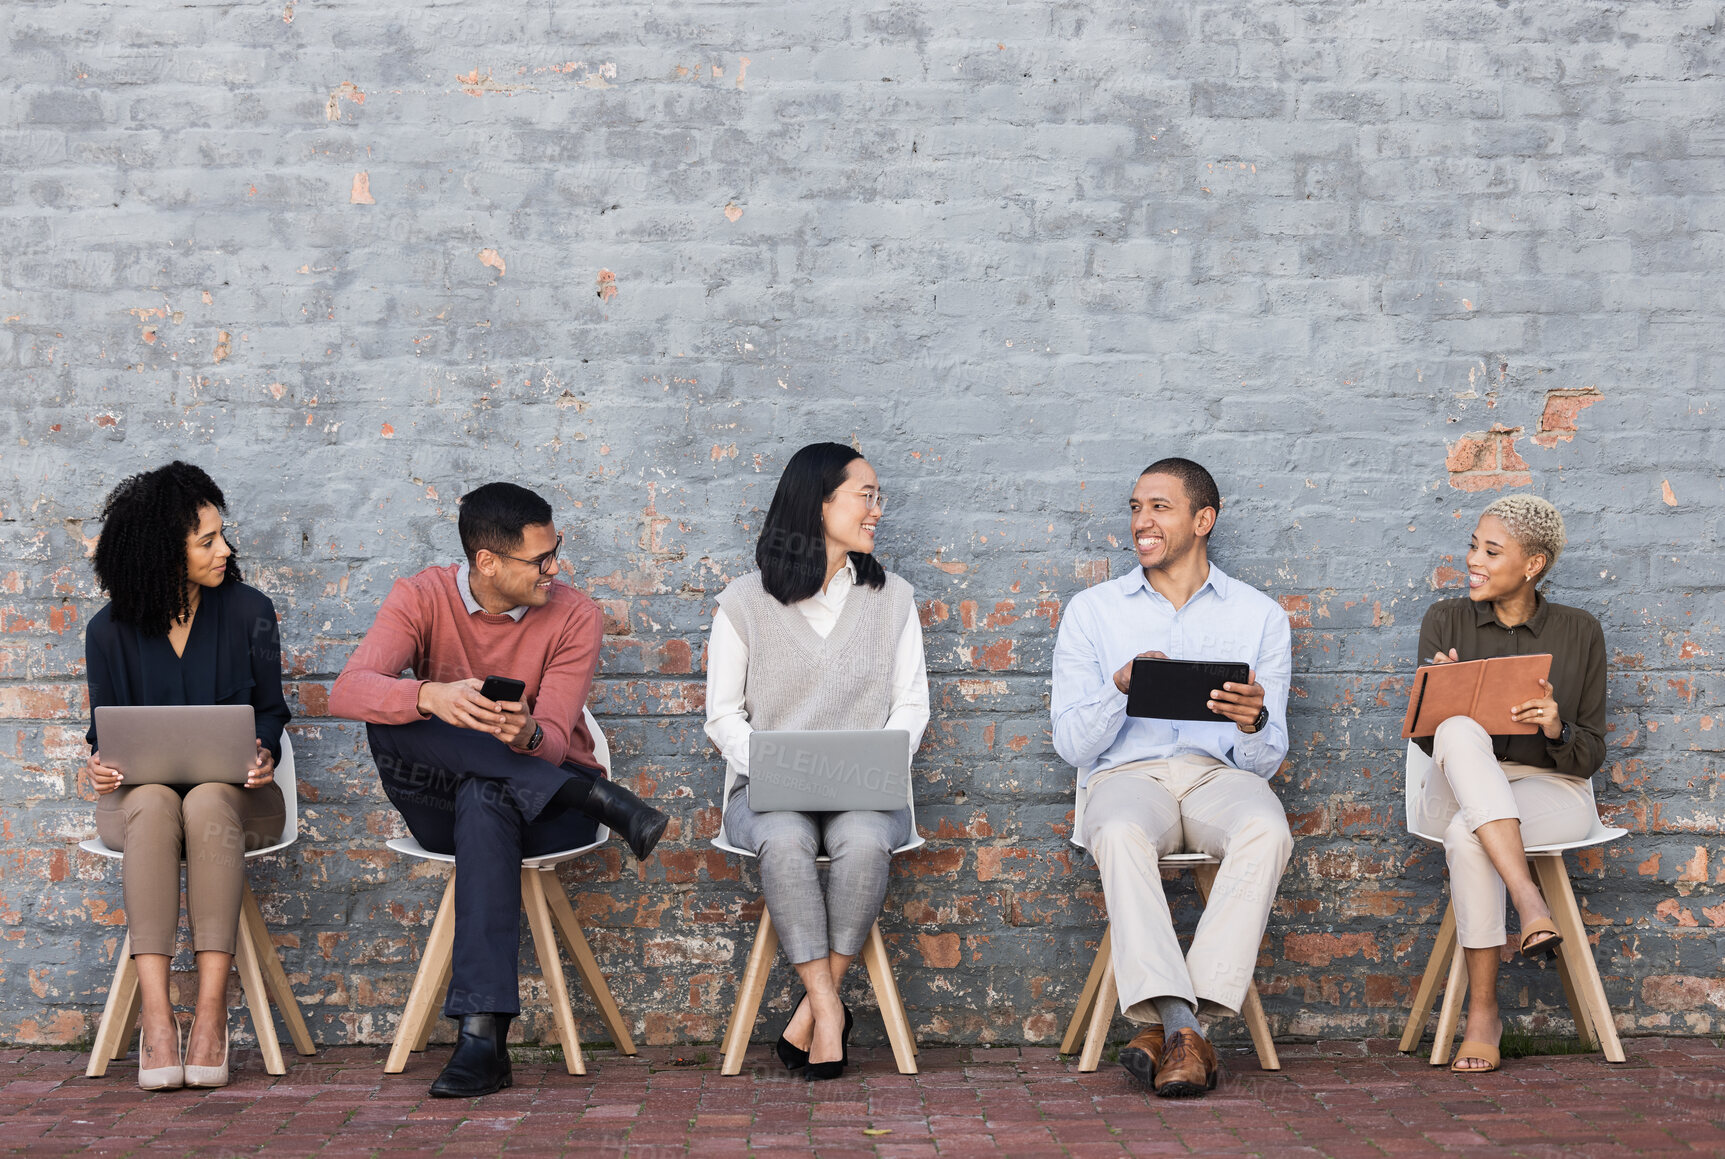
829	771
178	744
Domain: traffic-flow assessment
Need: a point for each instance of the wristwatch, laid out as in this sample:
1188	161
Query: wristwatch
538	738
1562	737
1259	721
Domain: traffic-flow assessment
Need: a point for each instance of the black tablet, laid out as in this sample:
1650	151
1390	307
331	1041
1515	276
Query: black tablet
1180	689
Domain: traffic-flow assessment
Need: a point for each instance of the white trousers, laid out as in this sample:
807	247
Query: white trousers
1470	788
1136	813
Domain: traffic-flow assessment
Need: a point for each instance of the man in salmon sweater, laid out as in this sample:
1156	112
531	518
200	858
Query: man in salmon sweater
489	781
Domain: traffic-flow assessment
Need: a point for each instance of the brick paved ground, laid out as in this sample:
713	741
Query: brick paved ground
1342	1099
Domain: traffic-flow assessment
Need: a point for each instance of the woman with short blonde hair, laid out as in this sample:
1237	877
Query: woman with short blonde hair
1491	796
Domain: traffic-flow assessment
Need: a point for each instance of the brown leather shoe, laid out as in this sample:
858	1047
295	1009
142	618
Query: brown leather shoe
1188	1066
1143	1055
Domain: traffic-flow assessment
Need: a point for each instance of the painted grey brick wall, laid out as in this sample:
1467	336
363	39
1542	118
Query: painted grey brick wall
1371	262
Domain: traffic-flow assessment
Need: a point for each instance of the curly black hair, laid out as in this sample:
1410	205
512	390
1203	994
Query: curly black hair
141	553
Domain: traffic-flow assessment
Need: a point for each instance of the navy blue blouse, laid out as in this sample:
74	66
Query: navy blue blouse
233	656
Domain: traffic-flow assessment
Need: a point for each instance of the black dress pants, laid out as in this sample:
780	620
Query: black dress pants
469	794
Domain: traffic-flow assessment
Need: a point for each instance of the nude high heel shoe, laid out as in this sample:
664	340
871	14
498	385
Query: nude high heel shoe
209	1076
163	1078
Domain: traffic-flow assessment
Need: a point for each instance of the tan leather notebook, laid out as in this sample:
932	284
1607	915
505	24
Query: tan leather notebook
1483	689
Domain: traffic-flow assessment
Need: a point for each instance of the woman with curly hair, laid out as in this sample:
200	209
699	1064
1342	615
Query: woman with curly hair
180	628
1493	795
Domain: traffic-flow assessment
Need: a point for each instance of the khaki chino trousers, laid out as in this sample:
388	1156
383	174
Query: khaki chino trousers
1139	812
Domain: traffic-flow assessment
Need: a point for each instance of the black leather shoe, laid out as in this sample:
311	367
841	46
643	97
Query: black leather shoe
792	1056
480	1064
624	813
821	1071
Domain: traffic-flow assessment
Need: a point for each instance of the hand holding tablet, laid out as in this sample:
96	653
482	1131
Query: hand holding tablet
1165	689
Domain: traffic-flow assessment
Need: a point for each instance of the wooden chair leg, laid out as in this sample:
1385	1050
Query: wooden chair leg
111	1031
1454	995
1553	878
247	958
420	1012
275	978
1102	1016
749	991
586	965
898	1028
135	1012
1578	1010
551	967
433	1012
1426	993
1259	1026
1087	996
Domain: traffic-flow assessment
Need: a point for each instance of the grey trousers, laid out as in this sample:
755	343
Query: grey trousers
811	923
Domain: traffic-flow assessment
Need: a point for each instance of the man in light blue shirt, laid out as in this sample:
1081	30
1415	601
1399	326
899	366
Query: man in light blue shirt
1151	787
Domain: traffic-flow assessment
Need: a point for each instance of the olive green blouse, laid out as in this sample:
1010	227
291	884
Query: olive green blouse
1577	647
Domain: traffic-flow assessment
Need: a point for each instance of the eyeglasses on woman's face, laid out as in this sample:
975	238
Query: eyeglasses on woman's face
873	497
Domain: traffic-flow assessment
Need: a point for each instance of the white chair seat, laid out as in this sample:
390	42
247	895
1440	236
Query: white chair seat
410	847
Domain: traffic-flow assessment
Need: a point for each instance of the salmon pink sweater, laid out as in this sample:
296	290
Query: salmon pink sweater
424	625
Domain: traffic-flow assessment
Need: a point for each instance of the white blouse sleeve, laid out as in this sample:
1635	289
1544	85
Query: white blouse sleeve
727	671
909	685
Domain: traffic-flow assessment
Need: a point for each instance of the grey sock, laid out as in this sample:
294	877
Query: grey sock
1177	1014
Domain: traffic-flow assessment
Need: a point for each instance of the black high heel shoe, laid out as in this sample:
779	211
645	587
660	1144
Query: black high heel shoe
792	1056
821	1071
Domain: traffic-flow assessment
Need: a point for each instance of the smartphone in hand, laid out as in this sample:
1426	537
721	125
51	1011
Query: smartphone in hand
503	690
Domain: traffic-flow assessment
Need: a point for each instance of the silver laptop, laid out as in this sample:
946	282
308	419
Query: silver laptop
829	772
178	744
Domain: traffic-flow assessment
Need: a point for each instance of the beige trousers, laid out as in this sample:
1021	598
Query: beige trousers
211	827
1470	788
1138	812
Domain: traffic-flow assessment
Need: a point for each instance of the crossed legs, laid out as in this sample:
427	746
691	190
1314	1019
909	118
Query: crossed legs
1488	812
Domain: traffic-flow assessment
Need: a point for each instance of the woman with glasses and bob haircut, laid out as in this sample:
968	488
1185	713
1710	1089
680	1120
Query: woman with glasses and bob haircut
1492	796
821	637
180	628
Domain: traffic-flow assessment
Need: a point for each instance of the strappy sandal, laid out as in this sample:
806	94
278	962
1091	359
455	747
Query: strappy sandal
1483	1051
1546	945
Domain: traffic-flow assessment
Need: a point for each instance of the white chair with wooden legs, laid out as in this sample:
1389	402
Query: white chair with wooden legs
261	973
1098	999
760	964
1576	969
549	916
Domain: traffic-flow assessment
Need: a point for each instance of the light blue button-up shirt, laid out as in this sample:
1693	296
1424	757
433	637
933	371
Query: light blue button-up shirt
1107	625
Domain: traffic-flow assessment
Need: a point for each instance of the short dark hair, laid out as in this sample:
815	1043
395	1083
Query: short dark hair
792	549
493	518
141	553
1200	485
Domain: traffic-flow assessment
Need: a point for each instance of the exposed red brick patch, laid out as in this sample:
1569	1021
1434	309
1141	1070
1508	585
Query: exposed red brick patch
997	657
938	950
1557	422
1322	949
1299	609
1487	461
1682	993
675	656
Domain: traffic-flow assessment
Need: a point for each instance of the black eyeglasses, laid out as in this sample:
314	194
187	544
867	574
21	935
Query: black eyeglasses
542	562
